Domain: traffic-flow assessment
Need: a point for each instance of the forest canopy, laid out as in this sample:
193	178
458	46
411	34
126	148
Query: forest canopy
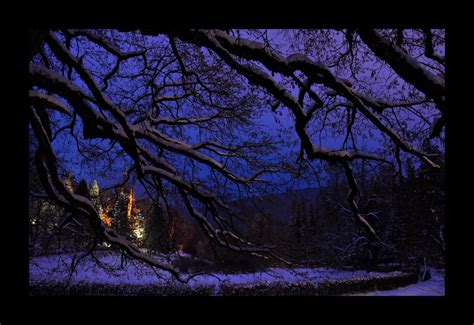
212	125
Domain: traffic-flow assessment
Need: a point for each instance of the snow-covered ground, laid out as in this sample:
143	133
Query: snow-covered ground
433	287
50	269
56	269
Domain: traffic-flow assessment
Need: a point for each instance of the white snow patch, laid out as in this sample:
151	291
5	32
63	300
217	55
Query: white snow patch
432	287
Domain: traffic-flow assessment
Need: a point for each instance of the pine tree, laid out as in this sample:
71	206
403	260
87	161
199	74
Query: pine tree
312	231
139	227
94	193
158	236
119	213
298	228
260	228
82	189
83	231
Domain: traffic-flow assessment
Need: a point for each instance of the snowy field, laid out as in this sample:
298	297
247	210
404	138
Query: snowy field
55	269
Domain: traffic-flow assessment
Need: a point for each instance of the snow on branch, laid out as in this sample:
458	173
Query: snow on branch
97	125
405	65
185	121
259	77
102	42
41	99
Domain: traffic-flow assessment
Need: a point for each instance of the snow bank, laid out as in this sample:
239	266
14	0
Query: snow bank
433	287
55	270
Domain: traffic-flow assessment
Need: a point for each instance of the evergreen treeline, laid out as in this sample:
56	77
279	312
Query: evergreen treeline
407	210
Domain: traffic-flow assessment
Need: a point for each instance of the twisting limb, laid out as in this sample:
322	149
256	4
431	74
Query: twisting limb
116	127
223	45
433	86
149	120
79	205
406	67
429	50
354	192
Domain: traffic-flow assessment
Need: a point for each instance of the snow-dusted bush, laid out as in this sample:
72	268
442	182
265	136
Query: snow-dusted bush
98	289
323	288
338	287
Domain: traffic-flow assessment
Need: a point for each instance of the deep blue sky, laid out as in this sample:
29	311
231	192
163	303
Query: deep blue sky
67	148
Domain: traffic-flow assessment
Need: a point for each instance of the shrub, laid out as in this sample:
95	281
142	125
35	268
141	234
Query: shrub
326	288
97	289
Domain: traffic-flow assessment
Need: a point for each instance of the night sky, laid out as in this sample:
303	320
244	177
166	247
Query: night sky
271	123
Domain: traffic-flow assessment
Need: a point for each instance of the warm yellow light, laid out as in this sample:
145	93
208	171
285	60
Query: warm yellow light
106	219
130	205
